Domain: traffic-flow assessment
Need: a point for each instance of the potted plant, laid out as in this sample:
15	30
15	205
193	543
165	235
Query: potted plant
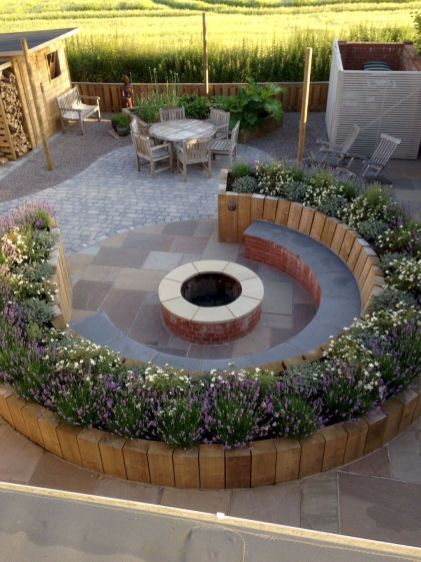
120	123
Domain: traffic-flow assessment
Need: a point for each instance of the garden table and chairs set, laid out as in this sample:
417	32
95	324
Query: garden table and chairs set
178	141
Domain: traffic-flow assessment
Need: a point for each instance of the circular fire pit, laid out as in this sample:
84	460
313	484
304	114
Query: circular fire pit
211	301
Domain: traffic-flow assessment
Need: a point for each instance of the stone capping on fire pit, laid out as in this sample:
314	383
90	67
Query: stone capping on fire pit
215	324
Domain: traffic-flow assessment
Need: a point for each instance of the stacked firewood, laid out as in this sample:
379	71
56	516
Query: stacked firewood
14	116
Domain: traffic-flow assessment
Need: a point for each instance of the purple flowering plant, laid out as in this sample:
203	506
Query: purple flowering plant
89	385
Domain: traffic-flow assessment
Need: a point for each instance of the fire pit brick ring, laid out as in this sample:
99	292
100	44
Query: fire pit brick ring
211	301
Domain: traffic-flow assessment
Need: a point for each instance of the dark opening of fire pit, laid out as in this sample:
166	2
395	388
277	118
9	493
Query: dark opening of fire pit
211	289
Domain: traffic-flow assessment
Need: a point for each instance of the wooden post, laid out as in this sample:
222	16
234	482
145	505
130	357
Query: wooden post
36	104
205	57
304	105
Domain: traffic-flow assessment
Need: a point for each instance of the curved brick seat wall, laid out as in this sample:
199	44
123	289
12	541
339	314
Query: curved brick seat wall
320	271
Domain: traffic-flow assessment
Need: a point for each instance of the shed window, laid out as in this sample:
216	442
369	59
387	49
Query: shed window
53	63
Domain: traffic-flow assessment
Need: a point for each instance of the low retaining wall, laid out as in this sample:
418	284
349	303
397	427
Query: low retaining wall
61	278
265	462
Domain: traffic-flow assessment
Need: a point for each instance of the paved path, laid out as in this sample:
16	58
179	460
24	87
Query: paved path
111	196
377	497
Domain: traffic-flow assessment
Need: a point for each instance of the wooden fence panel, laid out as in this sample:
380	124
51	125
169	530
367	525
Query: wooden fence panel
290	97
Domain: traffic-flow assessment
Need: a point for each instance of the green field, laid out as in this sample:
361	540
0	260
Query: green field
263	38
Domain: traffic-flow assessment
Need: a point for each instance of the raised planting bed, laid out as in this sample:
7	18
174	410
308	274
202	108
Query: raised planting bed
265	462
238	428
265	126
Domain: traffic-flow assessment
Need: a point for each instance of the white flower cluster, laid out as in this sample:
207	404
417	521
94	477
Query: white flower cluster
272	178
318	195
404	273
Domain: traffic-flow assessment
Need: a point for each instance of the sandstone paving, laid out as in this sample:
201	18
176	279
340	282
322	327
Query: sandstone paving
343	500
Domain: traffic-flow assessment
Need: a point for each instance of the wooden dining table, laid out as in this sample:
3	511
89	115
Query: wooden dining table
180	130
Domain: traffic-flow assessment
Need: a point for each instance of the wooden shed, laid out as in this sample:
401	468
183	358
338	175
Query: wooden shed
378	87
19	129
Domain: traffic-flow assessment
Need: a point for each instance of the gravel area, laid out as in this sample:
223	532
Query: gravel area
283	143
71	153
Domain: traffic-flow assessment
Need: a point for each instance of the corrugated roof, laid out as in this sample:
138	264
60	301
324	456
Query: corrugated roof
10	42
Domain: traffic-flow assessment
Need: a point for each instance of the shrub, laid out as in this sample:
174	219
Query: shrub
196	107
272	178
37	311
402	272
296	191
374	204
371	230
240	169
126	405
254	103
404	238
245	184
398	349
233	409
292	406
350	380
121	120
390	299
178	418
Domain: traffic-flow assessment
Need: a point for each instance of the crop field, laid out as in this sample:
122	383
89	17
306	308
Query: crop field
260	38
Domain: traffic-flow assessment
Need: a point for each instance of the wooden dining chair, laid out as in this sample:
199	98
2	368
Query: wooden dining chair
221	120
153	154
172	113
227	147
196	151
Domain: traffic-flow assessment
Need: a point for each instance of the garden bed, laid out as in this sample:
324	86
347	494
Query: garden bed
224	429
265	126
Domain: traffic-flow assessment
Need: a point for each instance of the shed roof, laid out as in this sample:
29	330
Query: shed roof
4	64
10	42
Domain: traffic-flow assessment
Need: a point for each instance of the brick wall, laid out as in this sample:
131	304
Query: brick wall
410	60
257	249
211	333
354	55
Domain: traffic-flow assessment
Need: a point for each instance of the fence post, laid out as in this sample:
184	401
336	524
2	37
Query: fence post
304	105
205	57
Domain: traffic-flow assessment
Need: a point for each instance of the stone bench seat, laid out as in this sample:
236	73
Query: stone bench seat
327	278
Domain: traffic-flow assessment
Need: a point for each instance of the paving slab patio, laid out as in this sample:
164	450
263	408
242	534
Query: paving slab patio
121	279
349	501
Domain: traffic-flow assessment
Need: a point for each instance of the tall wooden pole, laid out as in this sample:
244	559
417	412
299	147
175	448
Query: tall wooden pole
48	158
205	57
304	105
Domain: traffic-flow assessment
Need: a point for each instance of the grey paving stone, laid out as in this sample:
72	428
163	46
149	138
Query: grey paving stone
319	503
98	329
272	504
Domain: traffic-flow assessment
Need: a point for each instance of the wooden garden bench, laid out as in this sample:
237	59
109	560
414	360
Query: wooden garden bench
72	108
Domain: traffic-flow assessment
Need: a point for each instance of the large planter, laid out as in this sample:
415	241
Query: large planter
264	462
266	125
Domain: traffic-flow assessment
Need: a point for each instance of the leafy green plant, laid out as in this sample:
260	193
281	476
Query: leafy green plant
390	299
254	103
240	169
147	106
196	107
121	120
245	184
